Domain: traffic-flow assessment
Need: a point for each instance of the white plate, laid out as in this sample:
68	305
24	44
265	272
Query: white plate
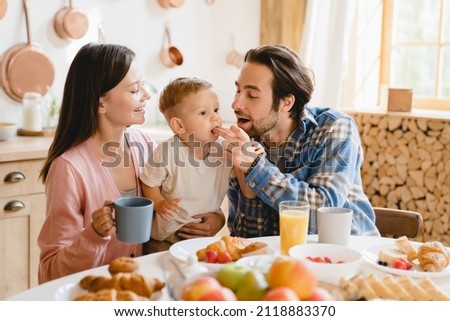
71	291
370	254
184	249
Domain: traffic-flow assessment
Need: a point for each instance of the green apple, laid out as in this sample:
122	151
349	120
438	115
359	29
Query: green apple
252	287
231	275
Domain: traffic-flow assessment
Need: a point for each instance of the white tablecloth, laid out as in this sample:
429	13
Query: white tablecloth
153	266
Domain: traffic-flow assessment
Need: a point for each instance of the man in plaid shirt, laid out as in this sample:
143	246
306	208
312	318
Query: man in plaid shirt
304	153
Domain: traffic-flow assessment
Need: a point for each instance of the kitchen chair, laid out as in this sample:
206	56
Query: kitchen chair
395	223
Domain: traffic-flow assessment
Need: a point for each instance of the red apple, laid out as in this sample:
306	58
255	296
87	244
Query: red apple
287	271
282	293
320	294
221	294
196	289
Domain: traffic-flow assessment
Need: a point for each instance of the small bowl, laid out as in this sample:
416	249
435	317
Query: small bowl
329	272
7	130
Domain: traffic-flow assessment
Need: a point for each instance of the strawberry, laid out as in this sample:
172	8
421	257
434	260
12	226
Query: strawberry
400	264
224	257
211	256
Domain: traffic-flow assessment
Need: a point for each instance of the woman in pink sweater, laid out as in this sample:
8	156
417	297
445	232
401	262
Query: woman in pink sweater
94	159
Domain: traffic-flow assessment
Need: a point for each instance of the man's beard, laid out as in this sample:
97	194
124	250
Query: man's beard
261	127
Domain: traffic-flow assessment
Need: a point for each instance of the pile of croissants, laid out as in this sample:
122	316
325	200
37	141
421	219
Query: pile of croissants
125	284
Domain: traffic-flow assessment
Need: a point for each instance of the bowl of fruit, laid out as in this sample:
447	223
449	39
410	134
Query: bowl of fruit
287	279
329	262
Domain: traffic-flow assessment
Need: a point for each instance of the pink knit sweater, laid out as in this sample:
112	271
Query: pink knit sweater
77	184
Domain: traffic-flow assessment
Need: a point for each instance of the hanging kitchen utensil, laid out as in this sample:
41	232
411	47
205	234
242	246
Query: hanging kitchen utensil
101	33
3	7
166	4
70	23
170	55
234	57
26	67
176	3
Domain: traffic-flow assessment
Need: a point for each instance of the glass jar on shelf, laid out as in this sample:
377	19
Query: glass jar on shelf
32	112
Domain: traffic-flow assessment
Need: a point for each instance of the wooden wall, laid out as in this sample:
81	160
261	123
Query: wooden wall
407	166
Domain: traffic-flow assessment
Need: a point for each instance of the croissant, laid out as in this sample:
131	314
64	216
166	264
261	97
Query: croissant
236	246
433	256
137	283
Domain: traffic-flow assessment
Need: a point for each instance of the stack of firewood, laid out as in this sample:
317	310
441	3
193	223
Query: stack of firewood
407	166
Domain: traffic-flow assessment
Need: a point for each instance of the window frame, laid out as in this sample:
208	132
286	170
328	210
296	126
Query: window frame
385	60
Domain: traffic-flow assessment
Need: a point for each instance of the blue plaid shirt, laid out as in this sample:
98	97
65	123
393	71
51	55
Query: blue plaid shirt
320	164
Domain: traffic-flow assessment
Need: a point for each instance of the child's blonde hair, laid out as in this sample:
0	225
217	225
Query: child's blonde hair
178	89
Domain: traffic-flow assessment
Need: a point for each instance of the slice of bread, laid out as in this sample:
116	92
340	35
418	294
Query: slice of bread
430	287
366	291
380	289
349	290
416	291
405	246
388	287
390	282
389	255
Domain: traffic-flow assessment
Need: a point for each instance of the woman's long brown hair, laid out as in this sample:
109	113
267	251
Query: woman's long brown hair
96	69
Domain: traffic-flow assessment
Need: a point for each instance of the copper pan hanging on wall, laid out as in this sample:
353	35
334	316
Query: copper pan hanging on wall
171	56
26	67
70	23
166	4
3	7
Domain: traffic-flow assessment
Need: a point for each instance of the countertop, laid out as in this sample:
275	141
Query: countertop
19	148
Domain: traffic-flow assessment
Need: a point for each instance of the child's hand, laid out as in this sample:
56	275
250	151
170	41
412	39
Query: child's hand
168	208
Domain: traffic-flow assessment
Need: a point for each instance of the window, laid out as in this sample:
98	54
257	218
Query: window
416	50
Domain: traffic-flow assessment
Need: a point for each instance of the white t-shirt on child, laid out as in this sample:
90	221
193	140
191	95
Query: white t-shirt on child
201	184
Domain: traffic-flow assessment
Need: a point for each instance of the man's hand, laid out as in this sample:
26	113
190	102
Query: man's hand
242	149
211	224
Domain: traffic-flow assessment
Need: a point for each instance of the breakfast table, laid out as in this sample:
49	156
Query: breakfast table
155	266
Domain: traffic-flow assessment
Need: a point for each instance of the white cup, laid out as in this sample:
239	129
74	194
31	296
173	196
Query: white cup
334	225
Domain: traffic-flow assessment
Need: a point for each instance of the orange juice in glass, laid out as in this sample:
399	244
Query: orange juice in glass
294	221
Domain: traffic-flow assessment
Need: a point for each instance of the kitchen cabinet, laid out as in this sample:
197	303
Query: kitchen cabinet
22	211
22	207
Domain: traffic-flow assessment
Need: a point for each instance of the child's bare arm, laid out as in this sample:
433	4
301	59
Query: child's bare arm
164	208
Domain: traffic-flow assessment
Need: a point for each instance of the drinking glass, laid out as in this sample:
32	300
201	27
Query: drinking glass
294	222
